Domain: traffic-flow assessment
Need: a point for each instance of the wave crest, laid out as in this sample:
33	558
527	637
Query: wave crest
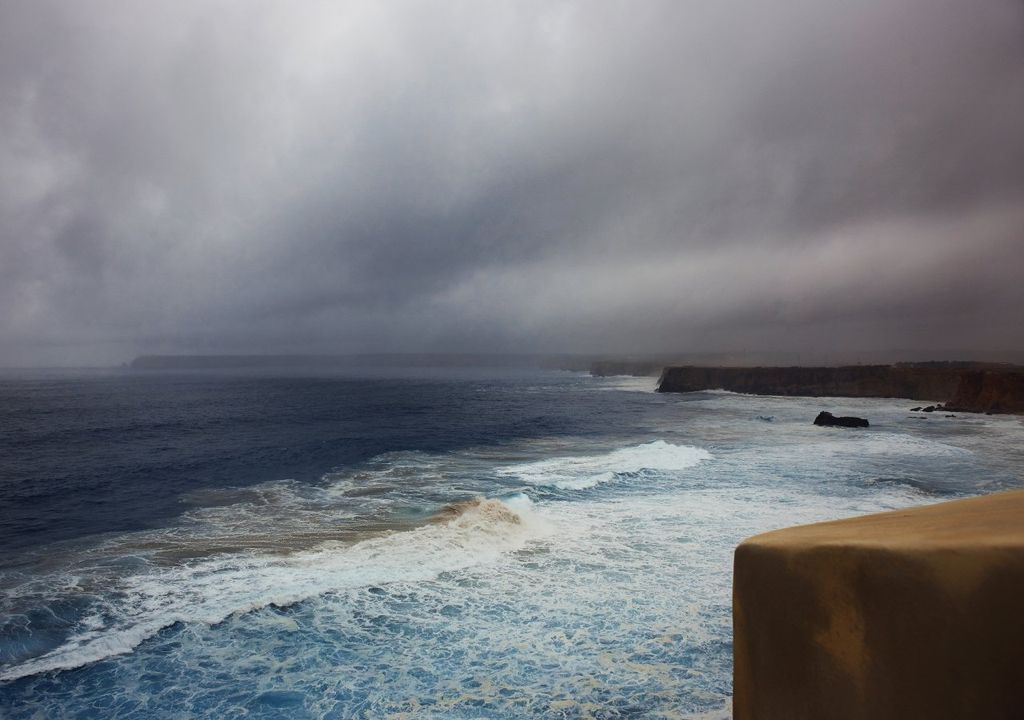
479	509
586	471
210	590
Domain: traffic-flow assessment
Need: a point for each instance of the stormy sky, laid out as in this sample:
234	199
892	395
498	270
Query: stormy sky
621	177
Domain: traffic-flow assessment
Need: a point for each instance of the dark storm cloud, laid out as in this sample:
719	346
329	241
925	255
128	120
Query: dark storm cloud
628	177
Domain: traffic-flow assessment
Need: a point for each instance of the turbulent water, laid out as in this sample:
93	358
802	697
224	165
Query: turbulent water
427	544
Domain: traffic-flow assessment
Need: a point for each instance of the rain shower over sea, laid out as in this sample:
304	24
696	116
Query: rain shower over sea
416	543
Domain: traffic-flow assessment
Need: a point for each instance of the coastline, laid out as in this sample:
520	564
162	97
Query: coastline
963	387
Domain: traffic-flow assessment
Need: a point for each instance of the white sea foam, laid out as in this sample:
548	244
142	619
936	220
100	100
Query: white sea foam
620	602
880	444
628	383
626	606
210	590
585	471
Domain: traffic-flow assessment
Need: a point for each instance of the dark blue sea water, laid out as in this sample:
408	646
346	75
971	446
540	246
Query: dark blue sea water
422	543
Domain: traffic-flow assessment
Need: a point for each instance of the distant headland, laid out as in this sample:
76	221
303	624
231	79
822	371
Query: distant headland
962	386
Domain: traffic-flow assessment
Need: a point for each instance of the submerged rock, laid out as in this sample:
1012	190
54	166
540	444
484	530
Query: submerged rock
280	698
827	419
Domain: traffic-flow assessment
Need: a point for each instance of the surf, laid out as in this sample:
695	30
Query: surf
209	591
580	472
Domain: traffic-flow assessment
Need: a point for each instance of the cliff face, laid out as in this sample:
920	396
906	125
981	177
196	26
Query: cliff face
915	383
994	392
997	389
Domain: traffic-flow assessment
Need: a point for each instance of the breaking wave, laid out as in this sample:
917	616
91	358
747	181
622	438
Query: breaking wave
586	471
211	590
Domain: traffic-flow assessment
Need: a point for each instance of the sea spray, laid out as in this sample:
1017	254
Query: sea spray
586	471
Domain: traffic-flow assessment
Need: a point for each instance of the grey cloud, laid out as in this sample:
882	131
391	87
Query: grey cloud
551	176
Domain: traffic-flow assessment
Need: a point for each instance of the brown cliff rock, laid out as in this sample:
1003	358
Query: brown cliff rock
919	383
993	389
990	392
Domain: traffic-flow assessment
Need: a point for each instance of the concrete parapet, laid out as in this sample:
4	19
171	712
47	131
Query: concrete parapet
917	613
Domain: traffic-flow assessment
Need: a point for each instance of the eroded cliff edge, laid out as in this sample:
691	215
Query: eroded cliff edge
997	389
988	391
907	614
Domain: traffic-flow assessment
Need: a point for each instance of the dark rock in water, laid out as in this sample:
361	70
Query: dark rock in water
766	418
917	409
827	419
951	416
930	408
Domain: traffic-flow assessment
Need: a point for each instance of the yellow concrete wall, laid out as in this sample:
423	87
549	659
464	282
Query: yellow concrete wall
909	614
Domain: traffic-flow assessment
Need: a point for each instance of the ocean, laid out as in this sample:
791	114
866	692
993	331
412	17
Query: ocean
421	543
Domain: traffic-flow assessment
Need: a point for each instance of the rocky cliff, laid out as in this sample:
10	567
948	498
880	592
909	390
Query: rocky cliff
989	391
964	388
916	383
